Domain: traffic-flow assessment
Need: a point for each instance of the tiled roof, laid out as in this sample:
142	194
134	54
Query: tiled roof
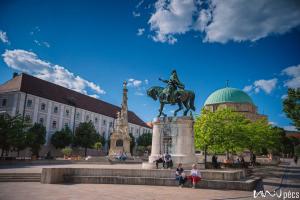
38	87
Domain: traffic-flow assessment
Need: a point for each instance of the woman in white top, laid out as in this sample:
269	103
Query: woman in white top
195	176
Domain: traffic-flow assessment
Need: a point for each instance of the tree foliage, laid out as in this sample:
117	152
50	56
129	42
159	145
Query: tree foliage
86	136
61	139
227	131
291	106
145	139
35	138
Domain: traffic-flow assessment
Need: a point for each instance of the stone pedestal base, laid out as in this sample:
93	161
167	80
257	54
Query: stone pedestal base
173	135
119	143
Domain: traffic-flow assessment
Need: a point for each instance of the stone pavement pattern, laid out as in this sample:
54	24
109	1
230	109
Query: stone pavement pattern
37	191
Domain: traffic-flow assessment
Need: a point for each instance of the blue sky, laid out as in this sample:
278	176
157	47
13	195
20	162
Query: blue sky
93	46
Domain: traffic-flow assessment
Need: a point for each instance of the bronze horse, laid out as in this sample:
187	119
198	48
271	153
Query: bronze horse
185	97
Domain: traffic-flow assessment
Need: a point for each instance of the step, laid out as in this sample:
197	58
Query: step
247	185
19	180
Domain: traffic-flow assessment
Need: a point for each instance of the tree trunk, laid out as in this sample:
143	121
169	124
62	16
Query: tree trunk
85	149
2	152
205	156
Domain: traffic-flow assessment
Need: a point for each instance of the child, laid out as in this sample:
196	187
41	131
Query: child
195	176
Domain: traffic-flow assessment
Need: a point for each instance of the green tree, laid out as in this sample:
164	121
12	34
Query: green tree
86	136
35	138
98	145
61	139
291	106
207	131
17	133
4	130
67	151
145	139
260	135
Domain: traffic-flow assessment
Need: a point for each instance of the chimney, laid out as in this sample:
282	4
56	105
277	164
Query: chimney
15	74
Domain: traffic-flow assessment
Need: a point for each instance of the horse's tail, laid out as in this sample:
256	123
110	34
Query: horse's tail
192	99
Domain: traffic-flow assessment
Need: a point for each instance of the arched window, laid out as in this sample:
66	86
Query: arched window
119	143
43	106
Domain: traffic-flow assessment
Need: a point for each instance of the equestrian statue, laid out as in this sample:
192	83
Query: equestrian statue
173	93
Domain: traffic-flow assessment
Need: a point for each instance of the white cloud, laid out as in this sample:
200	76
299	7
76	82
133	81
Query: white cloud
223	21
294	73
290	128
26	61
171	17
139	4
146	81
134	83
284	96
273	123
3	37
138	93
266	85
95	96
248	88
136	14
140	31
45	44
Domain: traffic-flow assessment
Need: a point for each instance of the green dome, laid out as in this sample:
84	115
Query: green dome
228	95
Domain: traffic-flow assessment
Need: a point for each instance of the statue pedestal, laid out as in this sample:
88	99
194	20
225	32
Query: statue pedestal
119	143
173	135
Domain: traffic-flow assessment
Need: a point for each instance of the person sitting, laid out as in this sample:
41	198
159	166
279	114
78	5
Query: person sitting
159	160
168	161
119	155
195	176
180	175
123	156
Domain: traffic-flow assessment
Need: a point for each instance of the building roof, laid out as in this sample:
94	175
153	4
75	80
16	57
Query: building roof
38	87
228	95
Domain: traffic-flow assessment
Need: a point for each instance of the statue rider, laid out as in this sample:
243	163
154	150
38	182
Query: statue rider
172	84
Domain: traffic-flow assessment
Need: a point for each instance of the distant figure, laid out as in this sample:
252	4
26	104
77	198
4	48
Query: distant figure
160	159
214	161
243	162
195	176
168	161
296	159
180	175
253	159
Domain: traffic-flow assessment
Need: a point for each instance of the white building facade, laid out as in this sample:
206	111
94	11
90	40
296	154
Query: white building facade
56	107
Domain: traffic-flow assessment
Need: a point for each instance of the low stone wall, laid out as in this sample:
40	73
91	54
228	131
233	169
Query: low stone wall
213	179
55	175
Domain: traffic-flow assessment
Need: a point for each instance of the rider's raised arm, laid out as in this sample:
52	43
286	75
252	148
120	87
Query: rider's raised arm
165	81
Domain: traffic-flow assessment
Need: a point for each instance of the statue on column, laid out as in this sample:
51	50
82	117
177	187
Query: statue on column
173	93
120	139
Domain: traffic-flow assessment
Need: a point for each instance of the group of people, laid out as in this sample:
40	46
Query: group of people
121	156
165	159
181	177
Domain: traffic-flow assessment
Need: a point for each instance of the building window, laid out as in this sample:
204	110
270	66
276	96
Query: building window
104	122
4	101
110	124
55	110
67	112
66	124
29	103
103	134
77	115
54	124
96	120
43	106
131	130
28	118
87	118
41	121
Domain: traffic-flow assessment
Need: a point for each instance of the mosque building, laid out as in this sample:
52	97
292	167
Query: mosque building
235	99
